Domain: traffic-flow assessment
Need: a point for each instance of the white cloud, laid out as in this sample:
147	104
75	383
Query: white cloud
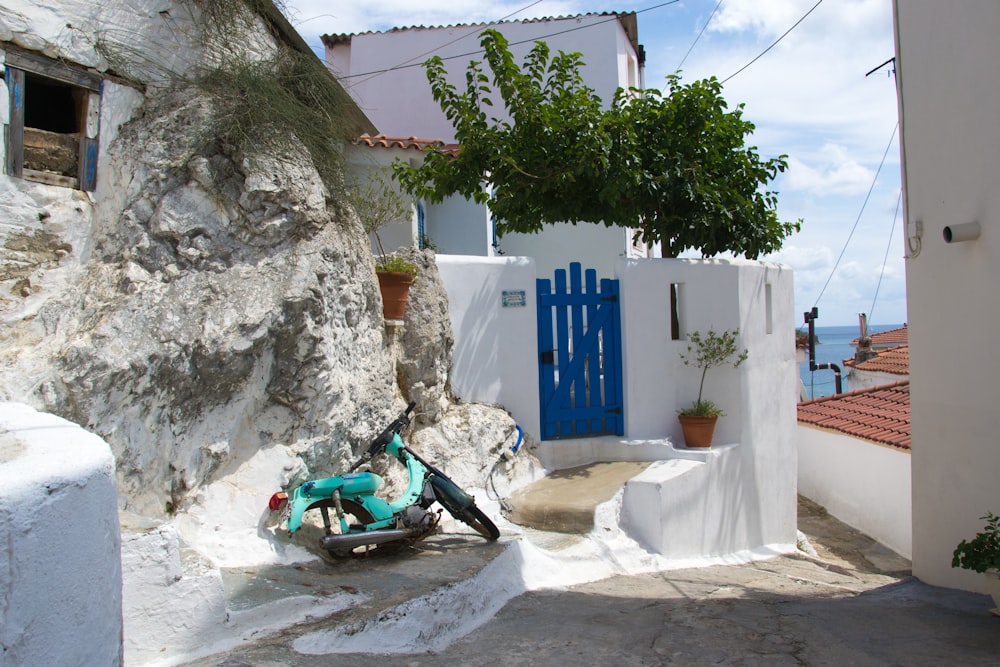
834	171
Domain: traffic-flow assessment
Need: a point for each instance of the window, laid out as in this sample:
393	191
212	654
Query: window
54	121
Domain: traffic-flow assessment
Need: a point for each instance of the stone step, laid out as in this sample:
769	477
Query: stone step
565	500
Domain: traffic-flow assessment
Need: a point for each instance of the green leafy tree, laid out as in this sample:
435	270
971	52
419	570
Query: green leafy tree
674	168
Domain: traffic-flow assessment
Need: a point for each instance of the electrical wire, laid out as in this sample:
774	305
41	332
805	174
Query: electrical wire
691	48
885	260
761	54
377	72
858	219
472	32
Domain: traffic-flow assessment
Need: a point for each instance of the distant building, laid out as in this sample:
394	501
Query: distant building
854	460
890	338
885	367
382	72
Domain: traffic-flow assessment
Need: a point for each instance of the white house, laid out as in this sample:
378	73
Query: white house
382	72
456	226
886	367
854	460
949	98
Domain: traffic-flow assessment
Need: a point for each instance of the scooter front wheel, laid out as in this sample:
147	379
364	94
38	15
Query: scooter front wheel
474	517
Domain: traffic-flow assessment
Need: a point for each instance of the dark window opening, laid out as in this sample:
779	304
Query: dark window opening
52	106
675	317
53	117
52	135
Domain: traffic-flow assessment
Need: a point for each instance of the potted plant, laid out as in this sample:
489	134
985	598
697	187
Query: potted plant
982	554
379	203
705	352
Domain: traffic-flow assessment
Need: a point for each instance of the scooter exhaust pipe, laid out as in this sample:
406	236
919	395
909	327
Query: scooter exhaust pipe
353	540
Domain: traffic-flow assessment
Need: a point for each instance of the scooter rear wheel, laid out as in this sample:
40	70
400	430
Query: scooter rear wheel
360	515
474	517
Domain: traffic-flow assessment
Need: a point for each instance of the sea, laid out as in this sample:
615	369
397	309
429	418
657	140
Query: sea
833	345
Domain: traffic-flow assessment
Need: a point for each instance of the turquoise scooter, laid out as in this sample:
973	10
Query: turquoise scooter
365	520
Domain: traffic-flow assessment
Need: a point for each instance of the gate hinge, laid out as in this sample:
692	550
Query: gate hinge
613	298
613	411
548	357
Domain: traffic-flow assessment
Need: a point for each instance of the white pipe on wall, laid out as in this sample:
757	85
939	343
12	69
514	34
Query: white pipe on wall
967	231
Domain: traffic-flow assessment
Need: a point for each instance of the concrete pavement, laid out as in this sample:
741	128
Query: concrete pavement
854	603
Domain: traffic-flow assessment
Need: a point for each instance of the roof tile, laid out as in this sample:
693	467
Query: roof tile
880	414
406	143
891	337
895	360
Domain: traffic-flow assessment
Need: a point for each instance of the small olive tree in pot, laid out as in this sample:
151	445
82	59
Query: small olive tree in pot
379	202
705	352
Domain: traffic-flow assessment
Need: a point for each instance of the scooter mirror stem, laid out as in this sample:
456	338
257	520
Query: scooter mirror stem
360	462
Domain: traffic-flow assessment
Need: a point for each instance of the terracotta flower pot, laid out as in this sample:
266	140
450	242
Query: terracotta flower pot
698	431
395	287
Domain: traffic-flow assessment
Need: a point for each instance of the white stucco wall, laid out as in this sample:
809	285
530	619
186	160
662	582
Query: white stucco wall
456	226
496	348
759	397
60	567
746	484
946	57
867	379
594	246
459	226
601	39
720	294
864	484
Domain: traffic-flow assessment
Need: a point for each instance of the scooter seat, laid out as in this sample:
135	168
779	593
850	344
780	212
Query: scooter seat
360	482
353	484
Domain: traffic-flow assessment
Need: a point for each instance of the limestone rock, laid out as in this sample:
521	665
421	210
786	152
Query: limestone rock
426	341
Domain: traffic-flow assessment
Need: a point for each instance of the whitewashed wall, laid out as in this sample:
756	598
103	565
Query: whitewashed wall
60	566
863	484
753	482
603	42
951	157
759	397
720	294
459	226
867	379
594	246
496	348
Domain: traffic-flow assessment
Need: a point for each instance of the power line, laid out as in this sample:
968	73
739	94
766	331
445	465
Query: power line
863	205
885	260
711	16
523	41
761	54
457	39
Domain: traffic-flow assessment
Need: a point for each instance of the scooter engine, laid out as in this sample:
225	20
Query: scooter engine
419	520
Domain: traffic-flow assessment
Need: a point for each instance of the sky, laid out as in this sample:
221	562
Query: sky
809	96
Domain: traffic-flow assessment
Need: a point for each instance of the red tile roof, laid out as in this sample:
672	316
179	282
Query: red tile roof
383	141
880	414
887	338
894	360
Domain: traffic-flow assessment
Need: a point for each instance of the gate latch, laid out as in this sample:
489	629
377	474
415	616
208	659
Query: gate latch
548	357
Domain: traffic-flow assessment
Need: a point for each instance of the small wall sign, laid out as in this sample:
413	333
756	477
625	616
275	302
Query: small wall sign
514	298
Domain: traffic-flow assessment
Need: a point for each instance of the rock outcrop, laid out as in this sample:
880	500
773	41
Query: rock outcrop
207	301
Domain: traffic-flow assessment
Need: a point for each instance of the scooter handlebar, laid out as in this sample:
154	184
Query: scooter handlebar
385	437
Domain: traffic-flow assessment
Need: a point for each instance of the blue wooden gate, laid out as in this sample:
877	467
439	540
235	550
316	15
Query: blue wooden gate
580	369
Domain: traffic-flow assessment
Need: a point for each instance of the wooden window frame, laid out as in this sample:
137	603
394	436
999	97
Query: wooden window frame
18	64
